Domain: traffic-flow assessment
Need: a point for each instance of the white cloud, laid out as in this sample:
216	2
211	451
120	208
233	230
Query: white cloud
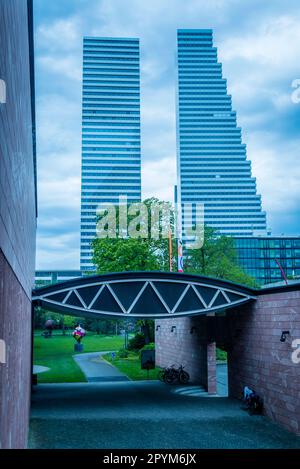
159	178
61	35
58	252
276	172
68	66
274	43
258	46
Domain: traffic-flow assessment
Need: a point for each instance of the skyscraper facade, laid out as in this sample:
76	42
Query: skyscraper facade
111	147
212	165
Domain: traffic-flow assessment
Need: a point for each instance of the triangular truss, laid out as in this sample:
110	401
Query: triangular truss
149	297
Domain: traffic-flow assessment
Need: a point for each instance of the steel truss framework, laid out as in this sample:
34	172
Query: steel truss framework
142	294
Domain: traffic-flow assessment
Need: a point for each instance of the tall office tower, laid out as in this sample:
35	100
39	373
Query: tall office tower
212	164
111	153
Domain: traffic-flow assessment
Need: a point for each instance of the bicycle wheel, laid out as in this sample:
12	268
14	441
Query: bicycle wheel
169	378
184	377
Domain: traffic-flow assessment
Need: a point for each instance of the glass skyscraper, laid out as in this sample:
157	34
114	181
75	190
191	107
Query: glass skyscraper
111	148
212	164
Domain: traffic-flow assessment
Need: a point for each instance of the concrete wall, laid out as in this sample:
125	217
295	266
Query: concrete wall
17	220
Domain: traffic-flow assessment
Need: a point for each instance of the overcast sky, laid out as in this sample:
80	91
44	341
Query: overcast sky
258	45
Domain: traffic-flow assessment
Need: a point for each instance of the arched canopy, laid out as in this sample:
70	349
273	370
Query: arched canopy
142	294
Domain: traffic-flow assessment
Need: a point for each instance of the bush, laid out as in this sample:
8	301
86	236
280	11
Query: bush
137	342
221	355
150	346
122	353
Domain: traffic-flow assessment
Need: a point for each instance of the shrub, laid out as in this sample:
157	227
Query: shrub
137	342
150	346
221	355
122	353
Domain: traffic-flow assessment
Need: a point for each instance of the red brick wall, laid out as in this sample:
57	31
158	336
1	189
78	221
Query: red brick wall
183	347
258	359
15	374
17	221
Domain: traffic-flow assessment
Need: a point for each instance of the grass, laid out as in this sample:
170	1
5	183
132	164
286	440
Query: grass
221	355
56	353
131	366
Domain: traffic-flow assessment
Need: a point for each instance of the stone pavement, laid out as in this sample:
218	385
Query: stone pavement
96	369
141	414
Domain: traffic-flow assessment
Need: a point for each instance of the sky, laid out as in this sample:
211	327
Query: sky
258	46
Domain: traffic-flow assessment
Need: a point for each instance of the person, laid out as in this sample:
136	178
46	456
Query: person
254	403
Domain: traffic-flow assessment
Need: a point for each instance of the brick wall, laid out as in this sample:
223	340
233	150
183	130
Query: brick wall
15	374
185	345
258	359
17	219
256	356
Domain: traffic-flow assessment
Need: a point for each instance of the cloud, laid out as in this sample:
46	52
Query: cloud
68	66
58	252
159	178
273	172
258	48
59	36
273	44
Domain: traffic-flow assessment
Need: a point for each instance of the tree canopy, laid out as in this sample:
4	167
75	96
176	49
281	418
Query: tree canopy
140	253
216	258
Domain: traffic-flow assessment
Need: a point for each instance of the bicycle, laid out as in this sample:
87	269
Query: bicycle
171	375
166	374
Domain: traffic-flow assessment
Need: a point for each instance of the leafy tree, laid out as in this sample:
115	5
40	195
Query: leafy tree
104	326
62	321
137	342
119	255
144	253
217	258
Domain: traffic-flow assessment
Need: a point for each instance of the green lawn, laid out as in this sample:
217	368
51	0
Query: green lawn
221	355
131	367
56	353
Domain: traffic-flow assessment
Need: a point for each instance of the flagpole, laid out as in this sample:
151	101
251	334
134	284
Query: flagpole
170	251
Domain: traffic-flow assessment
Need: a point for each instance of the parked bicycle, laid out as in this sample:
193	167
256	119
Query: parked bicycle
171	375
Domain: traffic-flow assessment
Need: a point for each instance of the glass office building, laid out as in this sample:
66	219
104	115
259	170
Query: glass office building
48	277
258	256
212	165
111	153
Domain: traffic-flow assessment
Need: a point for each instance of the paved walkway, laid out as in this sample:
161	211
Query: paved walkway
39	369
141	414
222	379
96	369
